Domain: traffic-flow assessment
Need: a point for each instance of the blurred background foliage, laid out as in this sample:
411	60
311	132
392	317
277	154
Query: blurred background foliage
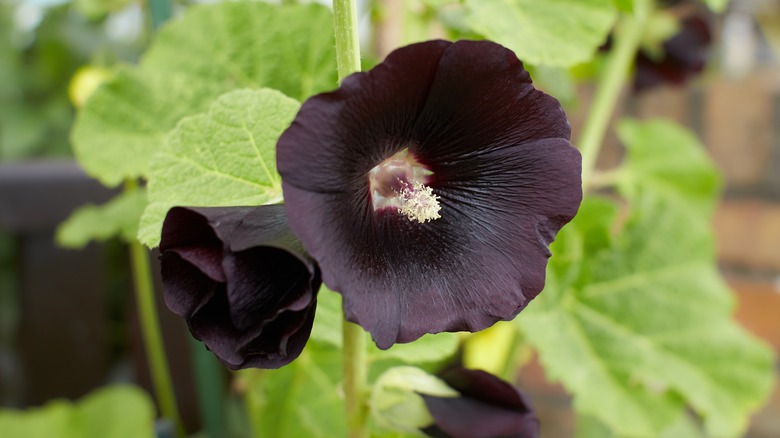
43	44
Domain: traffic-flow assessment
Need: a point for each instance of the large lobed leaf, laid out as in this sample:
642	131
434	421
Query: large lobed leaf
637	326
551	32
212	49
226	157
644	326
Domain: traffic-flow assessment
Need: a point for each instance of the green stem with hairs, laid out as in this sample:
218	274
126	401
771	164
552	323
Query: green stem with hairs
628	37
150	330
355	376
354	354
347	43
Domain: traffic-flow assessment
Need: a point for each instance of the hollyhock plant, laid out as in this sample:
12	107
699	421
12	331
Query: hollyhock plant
487	407
242	282
429	188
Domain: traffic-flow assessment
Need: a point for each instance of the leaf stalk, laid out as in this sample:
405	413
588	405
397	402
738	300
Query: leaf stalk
627	39
150	331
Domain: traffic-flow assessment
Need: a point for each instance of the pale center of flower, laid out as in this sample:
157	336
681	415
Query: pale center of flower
399	183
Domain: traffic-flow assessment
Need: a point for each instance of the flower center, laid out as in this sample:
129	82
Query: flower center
399	183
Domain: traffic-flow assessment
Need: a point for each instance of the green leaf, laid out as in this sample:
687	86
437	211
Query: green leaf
643	327
55	419
556	81
396	399
666	159
117	217
625	5
551	32
113	412
96	9
685	426
116	412
437	4
212	49
662	26
300	399
429	348
226	157
328	318
125	120
717	5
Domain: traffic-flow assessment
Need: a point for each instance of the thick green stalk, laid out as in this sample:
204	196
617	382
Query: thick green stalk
150	330
355	375
354	354
629	34
347	44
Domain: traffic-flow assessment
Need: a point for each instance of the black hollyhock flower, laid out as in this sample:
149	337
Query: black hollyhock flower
685	55
429	188
487	407
241	280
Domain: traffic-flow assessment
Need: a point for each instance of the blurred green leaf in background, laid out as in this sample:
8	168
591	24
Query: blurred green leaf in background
41	47
111	412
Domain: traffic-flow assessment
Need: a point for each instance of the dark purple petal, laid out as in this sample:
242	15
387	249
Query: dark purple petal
242	282
482	98
365	120
485	387
200	226
253	277
685	56
185	287
270	343
497	156
194	237
487	408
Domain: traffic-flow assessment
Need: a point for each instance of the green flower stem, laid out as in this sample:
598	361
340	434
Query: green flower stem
355	364
150	330
355	375
629	34
249	382
512	358
608	178
347	44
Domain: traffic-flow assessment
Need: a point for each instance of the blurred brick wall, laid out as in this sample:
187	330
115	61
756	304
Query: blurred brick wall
742	132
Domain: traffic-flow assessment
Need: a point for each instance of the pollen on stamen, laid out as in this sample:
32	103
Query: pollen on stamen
418	202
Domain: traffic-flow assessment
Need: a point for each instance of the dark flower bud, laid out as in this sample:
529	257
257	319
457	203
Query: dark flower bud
684	56
458	403
487	407
242	282
429	188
